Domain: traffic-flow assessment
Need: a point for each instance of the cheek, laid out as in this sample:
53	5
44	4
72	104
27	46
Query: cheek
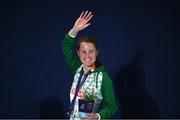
81	57
96	54
94	57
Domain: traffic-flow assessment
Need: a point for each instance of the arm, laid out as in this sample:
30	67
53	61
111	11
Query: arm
67	48
81	23
109	97
67	45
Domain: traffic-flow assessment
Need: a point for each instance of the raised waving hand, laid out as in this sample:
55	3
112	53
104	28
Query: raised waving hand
82	22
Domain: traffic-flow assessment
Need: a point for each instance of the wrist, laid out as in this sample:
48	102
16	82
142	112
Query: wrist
73	32
99	117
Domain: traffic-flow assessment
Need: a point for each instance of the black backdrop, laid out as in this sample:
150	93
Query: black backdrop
34	78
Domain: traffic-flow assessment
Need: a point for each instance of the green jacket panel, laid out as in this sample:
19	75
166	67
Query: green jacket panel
107	89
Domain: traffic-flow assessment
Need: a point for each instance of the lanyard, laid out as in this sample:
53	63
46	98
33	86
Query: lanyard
78	86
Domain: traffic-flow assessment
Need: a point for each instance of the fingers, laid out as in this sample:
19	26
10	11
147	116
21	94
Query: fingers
87	15
91	115
90	15
81	14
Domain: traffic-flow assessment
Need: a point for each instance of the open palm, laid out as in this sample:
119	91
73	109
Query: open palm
83	21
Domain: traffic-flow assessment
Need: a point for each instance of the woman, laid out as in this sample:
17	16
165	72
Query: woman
96	81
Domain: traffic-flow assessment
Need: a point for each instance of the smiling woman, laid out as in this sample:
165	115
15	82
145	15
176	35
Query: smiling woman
90	77
88	52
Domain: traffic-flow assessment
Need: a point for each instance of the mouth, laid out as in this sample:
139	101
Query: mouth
87	59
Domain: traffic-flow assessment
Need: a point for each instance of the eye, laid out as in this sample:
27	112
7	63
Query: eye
83	51
91	51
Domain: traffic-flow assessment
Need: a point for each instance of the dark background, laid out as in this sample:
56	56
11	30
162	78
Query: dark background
34	78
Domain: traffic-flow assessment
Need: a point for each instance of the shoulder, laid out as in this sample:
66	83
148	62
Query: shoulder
102	71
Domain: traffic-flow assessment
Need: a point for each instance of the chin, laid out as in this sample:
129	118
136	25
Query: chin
88	65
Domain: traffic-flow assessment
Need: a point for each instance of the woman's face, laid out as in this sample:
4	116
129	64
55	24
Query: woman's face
87	53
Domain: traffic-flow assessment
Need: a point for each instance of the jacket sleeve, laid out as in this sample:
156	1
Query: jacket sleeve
109	98
67	48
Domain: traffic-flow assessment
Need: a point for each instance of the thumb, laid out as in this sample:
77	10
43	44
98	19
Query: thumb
86	26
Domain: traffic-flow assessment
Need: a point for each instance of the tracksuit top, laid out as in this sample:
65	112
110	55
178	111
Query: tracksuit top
98	83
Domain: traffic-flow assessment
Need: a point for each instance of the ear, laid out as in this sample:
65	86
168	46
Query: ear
78	53
97	52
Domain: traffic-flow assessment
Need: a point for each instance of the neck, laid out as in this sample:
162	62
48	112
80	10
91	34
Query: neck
86	68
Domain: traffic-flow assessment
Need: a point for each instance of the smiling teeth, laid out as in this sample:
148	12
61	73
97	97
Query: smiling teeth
87	60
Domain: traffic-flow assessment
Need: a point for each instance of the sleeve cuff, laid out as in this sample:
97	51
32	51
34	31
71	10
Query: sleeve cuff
99	117
71	35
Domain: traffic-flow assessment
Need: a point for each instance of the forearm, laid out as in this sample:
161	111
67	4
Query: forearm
109	98
73	32
67	48
108	111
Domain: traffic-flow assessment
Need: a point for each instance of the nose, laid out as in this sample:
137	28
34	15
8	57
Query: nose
87	55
